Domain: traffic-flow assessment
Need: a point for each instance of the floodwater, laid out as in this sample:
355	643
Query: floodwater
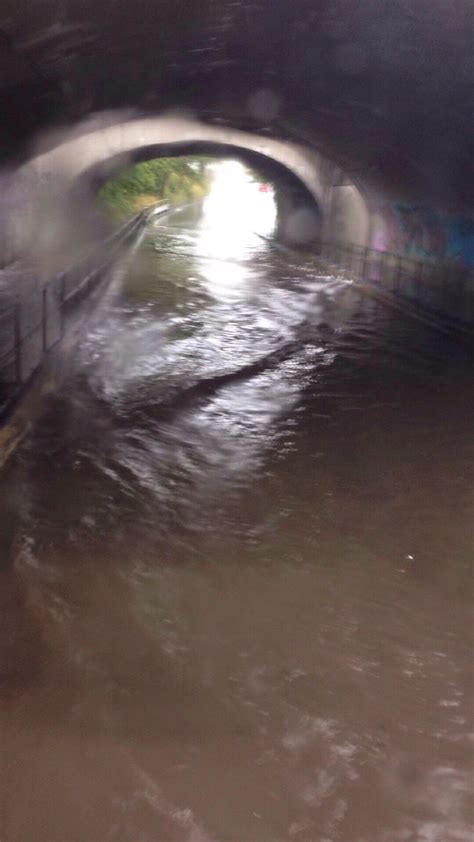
240	606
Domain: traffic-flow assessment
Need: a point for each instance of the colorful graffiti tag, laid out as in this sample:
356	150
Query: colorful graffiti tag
424	232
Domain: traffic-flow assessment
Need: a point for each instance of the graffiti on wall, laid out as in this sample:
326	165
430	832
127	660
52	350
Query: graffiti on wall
424	232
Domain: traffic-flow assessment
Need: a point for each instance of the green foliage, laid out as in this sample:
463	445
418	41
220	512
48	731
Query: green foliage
172	180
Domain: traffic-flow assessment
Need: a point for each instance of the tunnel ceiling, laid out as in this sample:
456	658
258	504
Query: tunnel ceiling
384	87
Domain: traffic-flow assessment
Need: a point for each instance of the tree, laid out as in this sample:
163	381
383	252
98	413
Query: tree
173	180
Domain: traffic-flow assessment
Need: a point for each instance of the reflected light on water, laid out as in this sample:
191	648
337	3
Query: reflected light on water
235	212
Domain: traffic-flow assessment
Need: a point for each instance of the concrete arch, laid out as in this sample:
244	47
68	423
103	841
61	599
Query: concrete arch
384	89
61	176
71	157
300	213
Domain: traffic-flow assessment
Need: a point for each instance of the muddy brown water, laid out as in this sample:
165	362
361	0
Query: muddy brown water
243	614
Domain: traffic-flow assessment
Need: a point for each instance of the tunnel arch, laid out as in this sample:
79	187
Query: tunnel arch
384	89
299	210
73	155
69	168
268	167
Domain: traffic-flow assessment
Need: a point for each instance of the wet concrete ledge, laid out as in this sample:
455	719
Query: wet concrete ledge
46	369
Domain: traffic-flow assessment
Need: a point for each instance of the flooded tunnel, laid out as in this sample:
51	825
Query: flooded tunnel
236	493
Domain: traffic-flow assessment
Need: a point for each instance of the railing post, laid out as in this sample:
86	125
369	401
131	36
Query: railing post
398	273
419	281
17	340
383	269
417	285
355	260
353	256
364	262
62	296
348	255
44	319
380	267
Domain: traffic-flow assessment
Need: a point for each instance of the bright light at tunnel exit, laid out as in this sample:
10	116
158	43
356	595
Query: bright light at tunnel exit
236	210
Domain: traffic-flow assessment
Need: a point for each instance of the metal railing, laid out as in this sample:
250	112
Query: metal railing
32	326
445	288
442	287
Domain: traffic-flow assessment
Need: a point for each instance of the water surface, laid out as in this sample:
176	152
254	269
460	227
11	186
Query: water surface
240	610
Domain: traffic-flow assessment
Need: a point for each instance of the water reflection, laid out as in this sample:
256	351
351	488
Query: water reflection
245	614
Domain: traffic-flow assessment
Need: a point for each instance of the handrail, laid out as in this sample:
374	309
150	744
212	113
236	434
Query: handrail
390	271
450	292
85	274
